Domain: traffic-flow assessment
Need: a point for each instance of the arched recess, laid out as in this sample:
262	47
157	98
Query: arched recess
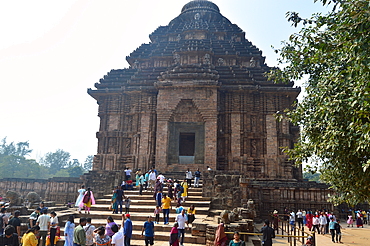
186	134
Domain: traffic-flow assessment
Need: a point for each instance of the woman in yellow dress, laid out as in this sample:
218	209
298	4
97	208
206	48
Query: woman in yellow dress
29	238
185	193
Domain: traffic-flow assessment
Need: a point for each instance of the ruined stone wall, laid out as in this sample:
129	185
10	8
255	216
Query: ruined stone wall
230	190
56	189
102	182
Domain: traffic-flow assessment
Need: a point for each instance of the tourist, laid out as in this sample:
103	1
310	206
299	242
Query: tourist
316	224
89	231
81	193
158	198
152	179
304	217
174	235
79	235
53	227
128	173
109	225
15	222
119	199
161	178
157	212
146	179
236	241
332	229
268	234
137	176
209	169
300	218
42	207
101	238
10	237
117	238
350	220
127	204
191	214
308	241
184	194
33	217
169	189
127	230
188	177
338	232
158	186
149	231
364	216
275	216
68	231
179	190
175	189
113	204
182	219
87	200
141	184
292	219
220	236
309	220
197	174
3	220
43	222
323	223
166	206
30	238
179	208
359	222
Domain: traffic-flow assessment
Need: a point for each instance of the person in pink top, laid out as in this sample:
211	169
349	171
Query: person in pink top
174	235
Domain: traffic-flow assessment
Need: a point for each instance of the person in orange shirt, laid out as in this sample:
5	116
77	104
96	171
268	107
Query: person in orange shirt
166	205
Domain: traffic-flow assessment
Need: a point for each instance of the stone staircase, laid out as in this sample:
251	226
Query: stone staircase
141	207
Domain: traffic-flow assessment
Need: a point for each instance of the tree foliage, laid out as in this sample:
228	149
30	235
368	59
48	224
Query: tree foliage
14	163
333	50
56	160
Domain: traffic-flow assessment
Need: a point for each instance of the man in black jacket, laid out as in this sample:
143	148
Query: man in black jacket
268	234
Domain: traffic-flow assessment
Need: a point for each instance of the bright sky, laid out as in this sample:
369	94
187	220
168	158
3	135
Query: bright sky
52	51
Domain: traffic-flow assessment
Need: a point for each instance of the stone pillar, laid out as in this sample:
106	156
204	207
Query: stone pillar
144	151
235	141
271	147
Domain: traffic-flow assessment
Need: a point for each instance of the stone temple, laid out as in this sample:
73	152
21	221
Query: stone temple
197	96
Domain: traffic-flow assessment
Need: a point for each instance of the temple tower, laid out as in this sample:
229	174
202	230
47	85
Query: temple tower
195	96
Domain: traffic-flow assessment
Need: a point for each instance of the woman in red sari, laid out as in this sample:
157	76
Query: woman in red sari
220	237
309	218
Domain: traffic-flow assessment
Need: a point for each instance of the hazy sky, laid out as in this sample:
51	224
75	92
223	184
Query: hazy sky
52	51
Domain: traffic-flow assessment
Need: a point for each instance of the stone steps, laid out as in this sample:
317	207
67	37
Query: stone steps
141	207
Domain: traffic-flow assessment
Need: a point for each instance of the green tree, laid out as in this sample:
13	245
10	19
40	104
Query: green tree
88	163
75	171
312	176
56	160
13	162
333	50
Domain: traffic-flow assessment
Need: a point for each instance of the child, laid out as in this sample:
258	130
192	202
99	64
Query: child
338	232
157	212
350	221
127	204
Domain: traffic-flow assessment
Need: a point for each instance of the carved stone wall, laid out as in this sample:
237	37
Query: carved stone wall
229	190
60	190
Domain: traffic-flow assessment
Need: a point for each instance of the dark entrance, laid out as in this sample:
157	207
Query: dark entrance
187	144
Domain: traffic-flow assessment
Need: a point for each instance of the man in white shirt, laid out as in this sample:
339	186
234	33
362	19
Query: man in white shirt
292	219
300	218
117	238
44	223
182	219
89	230
152	179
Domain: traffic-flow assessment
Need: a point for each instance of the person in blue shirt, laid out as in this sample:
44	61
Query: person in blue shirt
149	231
332	229
127	230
